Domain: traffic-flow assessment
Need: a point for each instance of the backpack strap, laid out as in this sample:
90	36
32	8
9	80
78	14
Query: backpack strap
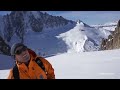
38	61
16	72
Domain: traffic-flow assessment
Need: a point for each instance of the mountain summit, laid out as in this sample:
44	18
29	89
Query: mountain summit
49	35
20	25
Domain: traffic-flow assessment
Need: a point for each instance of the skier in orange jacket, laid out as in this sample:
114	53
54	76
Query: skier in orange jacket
26	63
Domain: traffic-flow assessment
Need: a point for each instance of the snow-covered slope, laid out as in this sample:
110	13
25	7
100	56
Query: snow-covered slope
6	62
70	38
83	38
46	43
87	65
84	65
74	38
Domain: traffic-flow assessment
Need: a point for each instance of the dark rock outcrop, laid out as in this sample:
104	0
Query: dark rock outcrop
17	22
113	41
4	48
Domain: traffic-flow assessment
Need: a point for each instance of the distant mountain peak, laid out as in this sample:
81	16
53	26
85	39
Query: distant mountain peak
80	23
15	27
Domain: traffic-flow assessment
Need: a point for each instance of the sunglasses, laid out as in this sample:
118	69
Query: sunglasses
19	51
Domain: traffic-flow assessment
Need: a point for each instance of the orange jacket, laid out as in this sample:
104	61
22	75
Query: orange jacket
34	71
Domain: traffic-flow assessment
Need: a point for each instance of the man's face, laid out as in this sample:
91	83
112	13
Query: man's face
22	54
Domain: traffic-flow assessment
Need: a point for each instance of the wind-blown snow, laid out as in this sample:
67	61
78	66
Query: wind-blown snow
84	65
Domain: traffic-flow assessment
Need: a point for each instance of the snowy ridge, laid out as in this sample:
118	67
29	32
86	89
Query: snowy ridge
46	43
75	38
83	38
110	26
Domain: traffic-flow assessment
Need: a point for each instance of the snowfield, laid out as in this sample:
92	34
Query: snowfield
84	65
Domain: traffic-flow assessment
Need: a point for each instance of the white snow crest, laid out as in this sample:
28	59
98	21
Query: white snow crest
75	38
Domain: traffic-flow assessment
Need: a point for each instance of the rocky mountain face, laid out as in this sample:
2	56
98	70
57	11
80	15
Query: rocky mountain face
113	41
17	23
4	48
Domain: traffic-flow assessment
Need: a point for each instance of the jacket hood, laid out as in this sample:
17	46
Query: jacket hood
31	52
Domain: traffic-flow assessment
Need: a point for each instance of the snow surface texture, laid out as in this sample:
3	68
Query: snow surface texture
84	65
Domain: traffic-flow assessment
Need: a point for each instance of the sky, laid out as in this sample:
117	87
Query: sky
83	65
89	17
